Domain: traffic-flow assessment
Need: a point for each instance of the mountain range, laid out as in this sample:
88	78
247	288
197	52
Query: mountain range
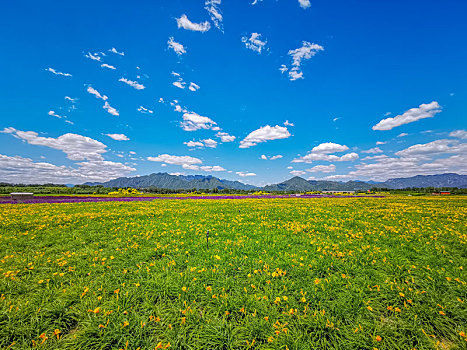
188	182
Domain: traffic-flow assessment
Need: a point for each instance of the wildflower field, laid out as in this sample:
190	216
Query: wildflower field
278	273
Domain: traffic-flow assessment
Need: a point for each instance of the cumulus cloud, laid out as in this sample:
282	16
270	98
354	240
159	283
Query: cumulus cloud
329	147
193	87
423	111
434	148
209	143
254	42
304	3
244	174
114	50
322	168
105	65
193	121
17	169
212	6
225	137
373	150
177	47
209	168
145	110
283	68
310	157
305	52
132	83
461	134
76	147
58	73
96	93
185	23
118	137
110	109
176	160
263	134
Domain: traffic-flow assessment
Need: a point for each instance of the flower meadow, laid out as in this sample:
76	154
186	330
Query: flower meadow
274	273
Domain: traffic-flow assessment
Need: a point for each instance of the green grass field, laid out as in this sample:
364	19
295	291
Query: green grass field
326	273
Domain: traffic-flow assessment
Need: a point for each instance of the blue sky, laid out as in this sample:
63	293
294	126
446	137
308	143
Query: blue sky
263	90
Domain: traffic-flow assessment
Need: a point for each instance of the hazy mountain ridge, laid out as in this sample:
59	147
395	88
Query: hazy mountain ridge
187	182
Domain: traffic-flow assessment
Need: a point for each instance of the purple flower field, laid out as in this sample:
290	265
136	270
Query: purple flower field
79	199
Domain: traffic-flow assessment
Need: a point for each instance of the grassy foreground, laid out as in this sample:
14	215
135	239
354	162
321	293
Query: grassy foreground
329	273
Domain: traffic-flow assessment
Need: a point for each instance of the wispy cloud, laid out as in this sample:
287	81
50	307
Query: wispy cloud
114	50
193	87
212	6
132	83
94	57
177	47
57	72
461	134
305	52
265	157
118	137
96	93
423	111
110	109
322	169
254	42
53	114
176	160
245	173
185	23
145	110
105	65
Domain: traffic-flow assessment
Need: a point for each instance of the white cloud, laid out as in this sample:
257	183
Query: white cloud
283	68
58	73
225	137
177	47
132	83
209	143
428	110
322	168
298	172
290	167
212	6
118	137
193	87
114	50
76	147
271	157
310	157
263	134
373	150
461	134
17	169
287	123
193	121
176	173
185	23
381	142
53	114
305	52
402	134
72	100
144	110
254	42
209	168
179	84
304	3
244	174
434	148
176	160
110	109
96	93
329	147
94	57
105	65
